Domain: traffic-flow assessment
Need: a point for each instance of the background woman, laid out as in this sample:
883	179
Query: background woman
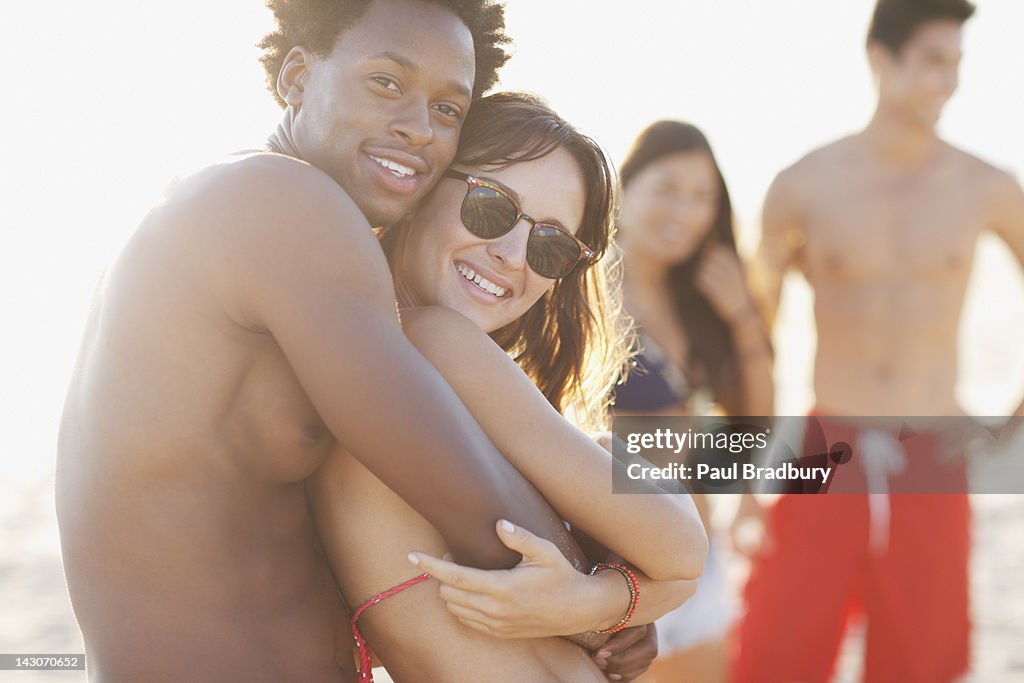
702	344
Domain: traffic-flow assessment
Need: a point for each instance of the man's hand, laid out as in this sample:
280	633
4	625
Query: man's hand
527	601
965	437
629	653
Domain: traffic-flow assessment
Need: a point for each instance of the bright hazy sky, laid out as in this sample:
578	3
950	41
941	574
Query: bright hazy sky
106	101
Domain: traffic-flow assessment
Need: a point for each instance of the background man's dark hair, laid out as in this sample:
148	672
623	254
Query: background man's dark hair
894	21
316	24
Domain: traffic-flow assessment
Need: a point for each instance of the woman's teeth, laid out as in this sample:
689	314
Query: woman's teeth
480	282
395	167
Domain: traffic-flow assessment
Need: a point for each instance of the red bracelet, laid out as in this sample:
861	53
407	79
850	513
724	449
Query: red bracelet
634	592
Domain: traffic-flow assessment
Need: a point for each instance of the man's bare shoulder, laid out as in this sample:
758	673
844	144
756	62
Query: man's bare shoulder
989	176
269	208
794	192
1000	194
260	186
263	225
801	179
825	161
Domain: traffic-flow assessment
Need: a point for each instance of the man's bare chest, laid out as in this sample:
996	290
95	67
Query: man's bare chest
876	230
271	426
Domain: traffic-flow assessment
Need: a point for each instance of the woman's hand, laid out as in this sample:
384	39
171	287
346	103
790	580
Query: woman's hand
527	601
721	279
544	596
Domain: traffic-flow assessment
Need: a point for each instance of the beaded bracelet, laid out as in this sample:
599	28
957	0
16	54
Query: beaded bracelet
634	592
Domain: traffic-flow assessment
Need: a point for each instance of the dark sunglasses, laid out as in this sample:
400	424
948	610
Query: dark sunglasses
490	212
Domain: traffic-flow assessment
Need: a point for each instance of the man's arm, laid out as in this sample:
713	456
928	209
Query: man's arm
1008	222
782	236
291	254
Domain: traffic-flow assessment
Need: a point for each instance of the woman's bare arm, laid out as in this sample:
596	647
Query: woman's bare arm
660	534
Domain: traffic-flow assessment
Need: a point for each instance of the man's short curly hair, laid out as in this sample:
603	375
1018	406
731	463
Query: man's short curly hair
316	25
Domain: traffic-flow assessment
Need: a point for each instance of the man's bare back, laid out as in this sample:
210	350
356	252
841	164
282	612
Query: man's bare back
887	249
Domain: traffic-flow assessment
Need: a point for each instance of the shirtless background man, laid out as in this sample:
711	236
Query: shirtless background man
883	225
248	325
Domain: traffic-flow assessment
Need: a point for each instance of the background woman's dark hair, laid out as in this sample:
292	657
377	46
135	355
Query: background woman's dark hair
574	343
711	348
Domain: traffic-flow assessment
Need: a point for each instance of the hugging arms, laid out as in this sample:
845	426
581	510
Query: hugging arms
528	279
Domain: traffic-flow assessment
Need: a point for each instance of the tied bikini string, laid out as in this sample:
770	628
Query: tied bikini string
365	653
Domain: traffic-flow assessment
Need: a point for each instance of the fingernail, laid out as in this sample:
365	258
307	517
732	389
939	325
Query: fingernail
414	558
447	557
615	677
508	526
600	663
604	654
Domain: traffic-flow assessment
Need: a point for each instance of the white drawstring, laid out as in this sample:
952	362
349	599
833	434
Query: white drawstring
881	455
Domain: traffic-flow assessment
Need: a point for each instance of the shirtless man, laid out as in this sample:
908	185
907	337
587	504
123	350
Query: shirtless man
883	225
248	326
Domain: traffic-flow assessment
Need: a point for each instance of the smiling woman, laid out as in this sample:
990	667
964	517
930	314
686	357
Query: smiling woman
487	279
564	330
470	248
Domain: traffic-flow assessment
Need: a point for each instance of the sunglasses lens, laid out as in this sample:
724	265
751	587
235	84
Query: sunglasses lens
550	252
487	213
